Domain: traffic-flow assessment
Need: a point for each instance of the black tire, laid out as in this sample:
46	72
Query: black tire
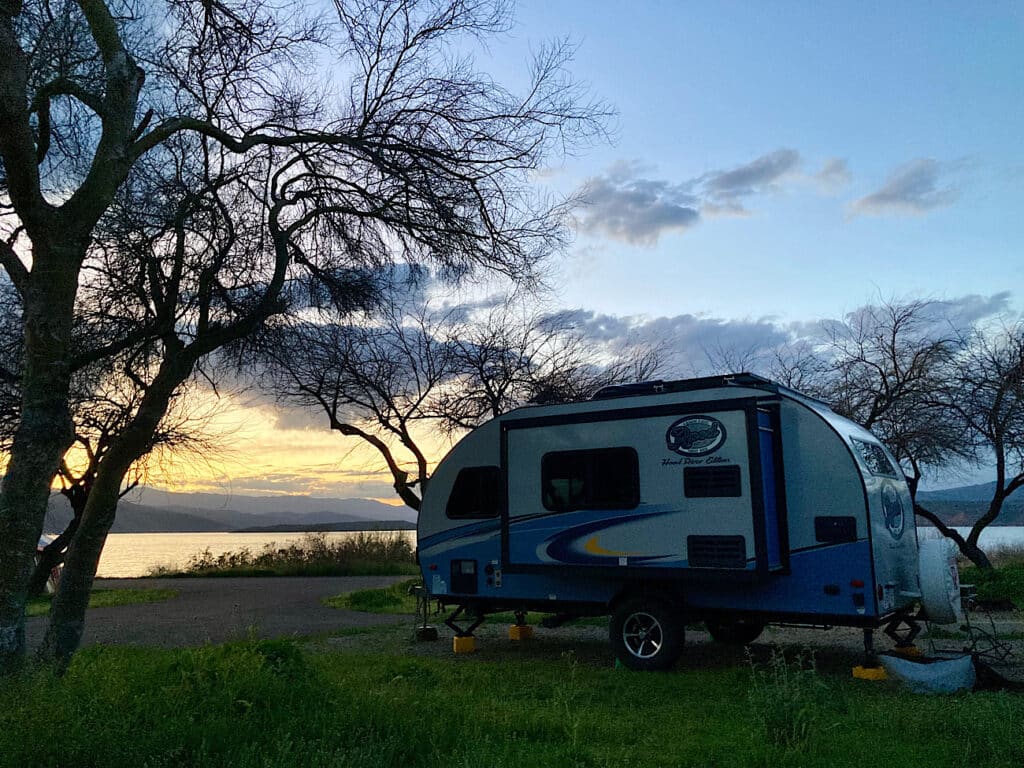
646	634
734	631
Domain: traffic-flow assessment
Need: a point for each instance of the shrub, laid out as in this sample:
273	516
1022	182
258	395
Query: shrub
364	554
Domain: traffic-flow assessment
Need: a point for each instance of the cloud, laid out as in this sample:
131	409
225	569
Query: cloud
753	178
833	175
915	188
636	210
691	345
625	204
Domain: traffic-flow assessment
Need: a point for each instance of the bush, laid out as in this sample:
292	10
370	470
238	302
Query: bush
364	554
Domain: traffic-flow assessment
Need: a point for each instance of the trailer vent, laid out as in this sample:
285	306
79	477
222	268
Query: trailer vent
716	551
706	482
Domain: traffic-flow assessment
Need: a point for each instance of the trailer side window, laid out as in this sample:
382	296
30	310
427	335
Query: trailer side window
605	478
873	456
708	482
476	493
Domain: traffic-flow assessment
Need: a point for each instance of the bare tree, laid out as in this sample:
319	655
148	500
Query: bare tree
417	157
884	366
511	357
988	395
404	372
935	392
373	380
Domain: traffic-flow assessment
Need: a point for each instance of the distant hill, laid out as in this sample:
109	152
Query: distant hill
382	525
981	492
156	511
966	504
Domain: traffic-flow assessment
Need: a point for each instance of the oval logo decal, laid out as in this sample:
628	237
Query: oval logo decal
892	509
695	436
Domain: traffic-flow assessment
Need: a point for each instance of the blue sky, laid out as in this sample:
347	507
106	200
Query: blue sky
774	164
881	143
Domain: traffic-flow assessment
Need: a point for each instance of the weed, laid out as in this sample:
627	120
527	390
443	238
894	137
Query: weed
786	698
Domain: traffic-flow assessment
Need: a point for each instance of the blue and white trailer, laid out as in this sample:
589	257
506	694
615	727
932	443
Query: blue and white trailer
732	500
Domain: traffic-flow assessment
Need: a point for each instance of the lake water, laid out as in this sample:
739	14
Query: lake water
136	554
129	555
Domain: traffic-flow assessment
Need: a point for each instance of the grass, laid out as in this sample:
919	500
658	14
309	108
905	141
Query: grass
273	703
365	554
397	599
393	599
1004	582
104	598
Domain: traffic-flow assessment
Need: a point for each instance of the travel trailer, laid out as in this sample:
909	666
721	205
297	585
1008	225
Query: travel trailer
730	500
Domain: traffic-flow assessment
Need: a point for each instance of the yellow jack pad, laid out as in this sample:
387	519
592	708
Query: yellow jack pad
464	644
869	673
520	632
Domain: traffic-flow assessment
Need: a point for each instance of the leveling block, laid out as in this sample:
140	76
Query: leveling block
869	673
466	644
520	632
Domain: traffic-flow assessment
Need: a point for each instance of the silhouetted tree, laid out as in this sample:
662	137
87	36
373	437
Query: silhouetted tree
403	375
988	396
254	172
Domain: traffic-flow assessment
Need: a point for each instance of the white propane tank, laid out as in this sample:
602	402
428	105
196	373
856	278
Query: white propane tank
940	581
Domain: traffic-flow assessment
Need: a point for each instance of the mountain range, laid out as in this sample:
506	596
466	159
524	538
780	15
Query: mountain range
964	505
157	511
150	510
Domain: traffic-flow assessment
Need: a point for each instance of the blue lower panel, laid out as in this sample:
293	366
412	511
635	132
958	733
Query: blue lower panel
819	582
803	590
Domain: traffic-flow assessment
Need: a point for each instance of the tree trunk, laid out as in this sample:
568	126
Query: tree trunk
994	508
67	613
44	434
968	548
52	556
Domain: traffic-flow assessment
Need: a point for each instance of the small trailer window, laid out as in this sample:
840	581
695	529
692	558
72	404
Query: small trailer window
475	494
605	478
874	458
708	482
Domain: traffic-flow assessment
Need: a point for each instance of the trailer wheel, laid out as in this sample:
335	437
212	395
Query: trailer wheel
646	634
735	632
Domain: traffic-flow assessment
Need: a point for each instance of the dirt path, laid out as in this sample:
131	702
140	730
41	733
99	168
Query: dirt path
217	610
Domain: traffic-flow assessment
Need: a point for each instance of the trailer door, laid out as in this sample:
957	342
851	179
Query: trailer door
684	488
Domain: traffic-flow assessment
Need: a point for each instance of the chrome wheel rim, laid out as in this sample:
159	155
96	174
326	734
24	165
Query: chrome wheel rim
642	634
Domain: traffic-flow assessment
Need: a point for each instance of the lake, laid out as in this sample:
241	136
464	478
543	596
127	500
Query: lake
136	554
127	555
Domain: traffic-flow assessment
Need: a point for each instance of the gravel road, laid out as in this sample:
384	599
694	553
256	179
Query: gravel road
217	610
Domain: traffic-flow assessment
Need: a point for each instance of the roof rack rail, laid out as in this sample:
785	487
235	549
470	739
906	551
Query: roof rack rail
659	386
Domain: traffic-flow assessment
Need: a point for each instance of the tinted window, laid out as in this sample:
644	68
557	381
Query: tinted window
705	482
476	493
874	458
606	478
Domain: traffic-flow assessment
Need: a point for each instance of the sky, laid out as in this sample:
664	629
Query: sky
771	164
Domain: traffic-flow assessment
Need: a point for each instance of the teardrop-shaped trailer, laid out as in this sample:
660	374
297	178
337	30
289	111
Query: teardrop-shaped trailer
730	500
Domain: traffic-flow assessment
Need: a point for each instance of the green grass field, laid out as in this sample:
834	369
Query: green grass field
275	704
104	598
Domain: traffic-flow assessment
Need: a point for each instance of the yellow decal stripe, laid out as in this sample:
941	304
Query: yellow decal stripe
594	548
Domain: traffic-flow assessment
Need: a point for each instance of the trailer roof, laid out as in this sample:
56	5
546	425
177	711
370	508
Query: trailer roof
659	386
